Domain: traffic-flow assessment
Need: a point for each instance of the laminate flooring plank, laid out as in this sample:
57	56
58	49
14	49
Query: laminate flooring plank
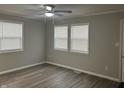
51	76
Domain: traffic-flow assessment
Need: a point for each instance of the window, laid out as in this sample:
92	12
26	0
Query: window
79	38
76	41
61	37
10	36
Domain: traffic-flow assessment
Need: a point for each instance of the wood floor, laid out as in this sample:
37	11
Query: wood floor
50	76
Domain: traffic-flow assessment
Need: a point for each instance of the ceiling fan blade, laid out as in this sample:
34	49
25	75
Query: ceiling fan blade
58	14
62	11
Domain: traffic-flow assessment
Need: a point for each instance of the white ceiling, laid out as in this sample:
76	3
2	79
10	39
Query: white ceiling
78	10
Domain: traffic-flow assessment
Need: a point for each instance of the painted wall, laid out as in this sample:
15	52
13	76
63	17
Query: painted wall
104	34
33	45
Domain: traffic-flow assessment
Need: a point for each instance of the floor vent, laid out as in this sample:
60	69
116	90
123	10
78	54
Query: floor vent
77	72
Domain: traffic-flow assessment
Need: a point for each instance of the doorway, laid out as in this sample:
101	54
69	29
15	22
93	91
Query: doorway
121	67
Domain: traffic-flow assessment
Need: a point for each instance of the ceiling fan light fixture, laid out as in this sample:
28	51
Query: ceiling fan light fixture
49	14
49	8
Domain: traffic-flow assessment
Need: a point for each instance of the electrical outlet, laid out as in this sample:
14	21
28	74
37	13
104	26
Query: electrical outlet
106	68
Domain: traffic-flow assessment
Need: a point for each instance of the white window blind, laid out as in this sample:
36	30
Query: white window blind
60	37
79	38
10	36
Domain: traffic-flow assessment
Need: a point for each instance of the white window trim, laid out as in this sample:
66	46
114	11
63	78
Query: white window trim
12	50
60	49
69	39
22	47
79	51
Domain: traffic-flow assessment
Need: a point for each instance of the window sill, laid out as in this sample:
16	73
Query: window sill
60	49
11	51
72	51
80	52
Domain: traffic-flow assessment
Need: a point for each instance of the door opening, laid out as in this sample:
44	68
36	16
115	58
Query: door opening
121	67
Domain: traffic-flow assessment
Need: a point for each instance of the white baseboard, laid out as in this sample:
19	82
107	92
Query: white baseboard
60	65
20	68
84	71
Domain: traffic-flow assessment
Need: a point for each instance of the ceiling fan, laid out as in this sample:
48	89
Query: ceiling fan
50	11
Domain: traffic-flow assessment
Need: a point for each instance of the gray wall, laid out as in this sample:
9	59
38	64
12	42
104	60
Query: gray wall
33	45
104	33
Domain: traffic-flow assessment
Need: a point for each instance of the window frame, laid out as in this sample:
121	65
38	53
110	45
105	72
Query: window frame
79	51
61	49
22	46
